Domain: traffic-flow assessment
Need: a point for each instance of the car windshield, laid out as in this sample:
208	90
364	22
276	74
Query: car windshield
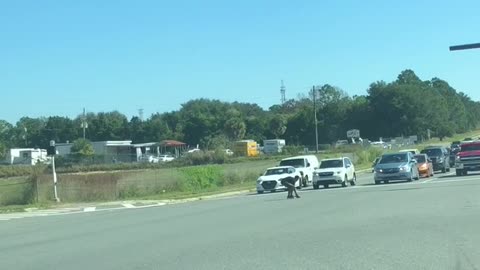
420	158
334	163
433	152
276	171
470	147
297	163
393	158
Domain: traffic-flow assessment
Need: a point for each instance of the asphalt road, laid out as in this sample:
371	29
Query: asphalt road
427	224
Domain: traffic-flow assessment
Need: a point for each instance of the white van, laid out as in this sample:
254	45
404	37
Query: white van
306	164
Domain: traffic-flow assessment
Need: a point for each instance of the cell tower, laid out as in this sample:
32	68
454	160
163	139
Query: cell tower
282	93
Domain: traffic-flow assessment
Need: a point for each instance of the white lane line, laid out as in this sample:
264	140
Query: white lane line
128	205
89	209
456	180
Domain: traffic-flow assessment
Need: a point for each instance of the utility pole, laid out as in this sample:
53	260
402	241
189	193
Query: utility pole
314	94
84	123
25	135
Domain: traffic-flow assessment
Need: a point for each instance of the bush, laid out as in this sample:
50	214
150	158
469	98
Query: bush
367	155
195	179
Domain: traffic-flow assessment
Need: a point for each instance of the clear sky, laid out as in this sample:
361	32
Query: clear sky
57	57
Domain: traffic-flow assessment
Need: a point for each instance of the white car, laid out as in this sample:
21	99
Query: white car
166	158
335	171
306	164
271	179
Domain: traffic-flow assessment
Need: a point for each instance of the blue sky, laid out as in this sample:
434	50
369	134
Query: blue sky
57	57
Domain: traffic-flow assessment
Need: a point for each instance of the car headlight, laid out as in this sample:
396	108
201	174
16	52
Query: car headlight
338	172
457	158
403	169
259	181
379	170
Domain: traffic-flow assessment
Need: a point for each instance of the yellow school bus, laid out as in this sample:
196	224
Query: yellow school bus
247	148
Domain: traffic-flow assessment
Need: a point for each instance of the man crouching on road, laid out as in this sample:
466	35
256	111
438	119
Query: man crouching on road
289	182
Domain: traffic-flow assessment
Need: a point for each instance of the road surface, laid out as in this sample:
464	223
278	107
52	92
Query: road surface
428	224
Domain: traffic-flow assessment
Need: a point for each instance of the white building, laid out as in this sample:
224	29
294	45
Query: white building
112	151
116	151
27	156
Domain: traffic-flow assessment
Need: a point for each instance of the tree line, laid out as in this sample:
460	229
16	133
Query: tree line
406	106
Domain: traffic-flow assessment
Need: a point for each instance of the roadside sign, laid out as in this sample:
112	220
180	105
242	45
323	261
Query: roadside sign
353	133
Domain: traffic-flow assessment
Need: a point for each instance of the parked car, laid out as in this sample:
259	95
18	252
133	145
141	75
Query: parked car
166	158
413	151
149	159
335	171
468	158
271	179
193	150
439	156
306	164
396	166
424	164
341	143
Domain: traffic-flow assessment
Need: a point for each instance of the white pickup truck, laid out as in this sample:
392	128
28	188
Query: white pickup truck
305	164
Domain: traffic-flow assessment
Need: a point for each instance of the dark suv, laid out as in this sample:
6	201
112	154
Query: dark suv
439	156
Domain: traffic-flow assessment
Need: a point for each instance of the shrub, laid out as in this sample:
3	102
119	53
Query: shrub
367	155
195	179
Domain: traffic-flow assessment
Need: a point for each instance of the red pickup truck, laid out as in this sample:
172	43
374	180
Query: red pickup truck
468	158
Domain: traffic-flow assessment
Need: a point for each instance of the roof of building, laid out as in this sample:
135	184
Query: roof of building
172	143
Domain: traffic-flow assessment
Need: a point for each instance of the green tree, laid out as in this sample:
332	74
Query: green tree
82	148
278	125
235	128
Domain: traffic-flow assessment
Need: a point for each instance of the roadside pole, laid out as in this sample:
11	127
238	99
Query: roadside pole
54	180
51	151
315	117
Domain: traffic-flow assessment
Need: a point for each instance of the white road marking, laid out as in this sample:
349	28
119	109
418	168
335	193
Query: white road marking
128	205
89	209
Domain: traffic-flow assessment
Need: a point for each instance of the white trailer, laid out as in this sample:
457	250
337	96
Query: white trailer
27	156
274	146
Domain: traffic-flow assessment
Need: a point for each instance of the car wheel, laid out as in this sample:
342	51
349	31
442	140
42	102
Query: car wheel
448	169
386	181
260	191
418	175
377	182
465	172
325	186
459	172
273	191
354	180
431	172
315	186
345	181
443	170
